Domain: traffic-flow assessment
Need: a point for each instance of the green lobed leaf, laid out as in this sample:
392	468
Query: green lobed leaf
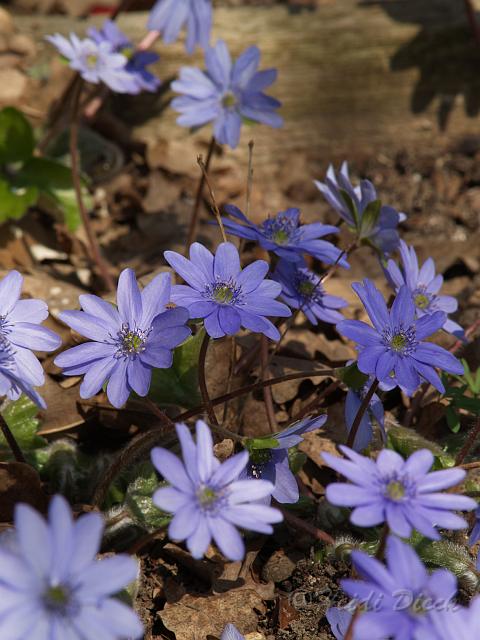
352	377
266	442
179	384
15	201
370	218
21	417
138	499
16	136
406	441
45	174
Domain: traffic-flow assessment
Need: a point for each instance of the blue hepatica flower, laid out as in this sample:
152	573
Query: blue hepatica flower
170	16
225	296
126	343
53	587
20	333
137	61
96	62
207	497
272	464
393	349
375	412
339	620
400	492
405	596
302	289
226	93
286	237
231	633
454	623
424	286
356	206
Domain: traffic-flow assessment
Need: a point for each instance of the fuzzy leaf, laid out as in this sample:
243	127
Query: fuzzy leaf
138	499
407	441
21	417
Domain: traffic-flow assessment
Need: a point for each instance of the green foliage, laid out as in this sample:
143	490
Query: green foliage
267	442
138	499
352	377
370	218
179	384
25	177
21	417
463	398
407	441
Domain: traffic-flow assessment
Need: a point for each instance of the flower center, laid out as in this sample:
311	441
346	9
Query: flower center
131	342
280	229
92	60
223	292
421	300
395	490
229	100
400	340
57	599
127	52
209	499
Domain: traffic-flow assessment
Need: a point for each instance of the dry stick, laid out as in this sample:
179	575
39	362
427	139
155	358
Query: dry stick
361	412
94	248
11	441
469	443
215	208
202	382
472	20
267	391
316	401
470	465
192	229
301	525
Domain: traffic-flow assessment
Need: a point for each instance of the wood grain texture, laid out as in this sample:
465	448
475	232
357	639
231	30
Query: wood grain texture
353	75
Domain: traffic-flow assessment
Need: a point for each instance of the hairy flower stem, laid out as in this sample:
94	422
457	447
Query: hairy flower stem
469	443
361	412
214	205
331	270
472	20
11	441
202	382
192	230
94	248
333	386
267	391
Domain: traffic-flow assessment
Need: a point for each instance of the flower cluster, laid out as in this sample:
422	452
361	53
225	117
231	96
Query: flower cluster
208	498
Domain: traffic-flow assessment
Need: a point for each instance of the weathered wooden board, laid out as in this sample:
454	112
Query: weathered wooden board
353	76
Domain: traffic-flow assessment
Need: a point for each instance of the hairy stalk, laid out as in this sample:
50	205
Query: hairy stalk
161	415
202	382
192	230
331	270
94	248
215	208
469	443
138	545
233	351
248	202
333	386
361	412
267	391
11	441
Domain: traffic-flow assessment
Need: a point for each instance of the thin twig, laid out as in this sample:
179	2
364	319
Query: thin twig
267	391
469	443
11	441
192	229
215	208
146	539
161	415
301	525
472	20
331	270
333	386
468	466
248	202
202	382
94	248
361	412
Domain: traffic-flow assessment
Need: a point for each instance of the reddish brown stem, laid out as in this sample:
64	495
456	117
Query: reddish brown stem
202	382
317	400
469	443
11	441
361	412
94	248
192	230
472	20
267	391
301	525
